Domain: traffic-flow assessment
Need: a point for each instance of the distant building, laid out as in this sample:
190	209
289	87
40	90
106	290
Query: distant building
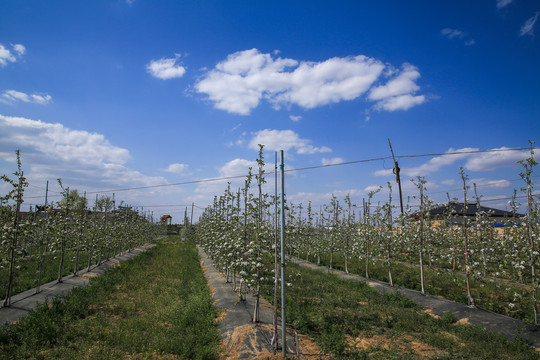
166	219
453	213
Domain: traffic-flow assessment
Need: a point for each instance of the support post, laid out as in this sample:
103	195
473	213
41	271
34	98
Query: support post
398	180
274	341
283	283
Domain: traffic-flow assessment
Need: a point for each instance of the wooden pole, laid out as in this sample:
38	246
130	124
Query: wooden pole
398	180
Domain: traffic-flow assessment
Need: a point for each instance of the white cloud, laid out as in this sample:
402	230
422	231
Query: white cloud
452	33
332	161
245	78
503	3
436	163
485	183
398	93
166	68
473	161
383	172
180	169
372	188
59	142
285	140
6	56
324	198
237	167
403	83
433	165
54	151
19	49
494	160
458	34
528	27
448	182
12	96
401	102
295	118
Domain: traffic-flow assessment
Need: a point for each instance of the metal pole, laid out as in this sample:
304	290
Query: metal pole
283	283
46	194
276	263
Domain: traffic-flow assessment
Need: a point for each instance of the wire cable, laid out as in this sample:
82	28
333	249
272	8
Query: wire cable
302	169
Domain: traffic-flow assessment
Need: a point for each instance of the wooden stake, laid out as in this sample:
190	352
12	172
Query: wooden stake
398	180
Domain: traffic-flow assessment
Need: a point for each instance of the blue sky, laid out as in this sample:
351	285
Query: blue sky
119	94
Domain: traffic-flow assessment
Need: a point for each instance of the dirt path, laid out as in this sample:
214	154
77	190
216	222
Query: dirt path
243	339
437	306
23	303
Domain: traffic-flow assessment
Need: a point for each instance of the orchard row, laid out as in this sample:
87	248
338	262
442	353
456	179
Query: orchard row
62	238
239	231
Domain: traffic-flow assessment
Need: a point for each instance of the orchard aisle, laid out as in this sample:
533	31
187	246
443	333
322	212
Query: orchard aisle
437	306
241	338
23	303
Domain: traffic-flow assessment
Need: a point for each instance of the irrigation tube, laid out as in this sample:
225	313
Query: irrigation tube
283	283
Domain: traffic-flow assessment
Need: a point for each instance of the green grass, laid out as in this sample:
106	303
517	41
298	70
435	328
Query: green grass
494	296
341	313
26	274
156	305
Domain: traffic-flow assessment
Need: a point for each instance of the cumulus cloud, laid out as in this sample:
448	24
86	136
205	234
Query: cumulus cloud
433	165
166	68
237	167
473	161
180	169
19	49
401	102
528	27
496	159
486	183
332	161
13	96
239	83
503	3
398	92
6	56
54	151
383	172
285	140
438	162
234	168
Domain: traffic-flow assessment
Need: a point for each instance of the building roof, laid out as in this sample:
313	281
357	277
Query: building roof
472	209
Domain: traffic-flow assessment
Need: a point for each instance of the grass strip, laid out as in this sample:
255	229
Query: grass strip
504	298
27	272
352	321
156	305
